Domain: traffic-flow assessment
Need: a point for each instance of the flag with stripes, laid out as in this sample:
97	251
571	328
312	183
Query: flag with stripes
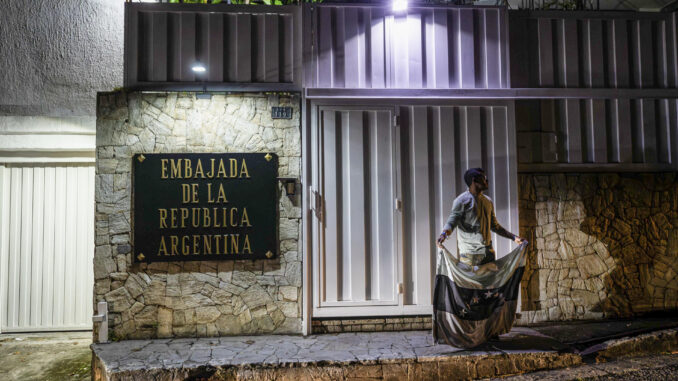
471	304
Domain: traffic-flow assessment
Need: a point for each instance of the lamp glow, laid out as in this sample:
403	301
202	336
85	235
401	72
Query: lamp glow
399	5
198	68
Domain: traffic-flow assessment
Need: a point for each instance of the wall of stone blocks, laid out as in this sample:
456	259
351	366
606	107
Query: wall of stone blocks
188	299
602	245
372	324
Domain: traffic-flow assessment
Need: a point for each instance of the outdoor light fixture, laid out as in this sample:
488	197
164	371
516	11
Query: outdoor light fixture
399	5
290	184
198	68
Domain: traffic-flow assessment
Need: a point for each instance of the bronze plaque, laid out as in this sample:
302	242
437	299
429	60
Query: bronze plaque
205	206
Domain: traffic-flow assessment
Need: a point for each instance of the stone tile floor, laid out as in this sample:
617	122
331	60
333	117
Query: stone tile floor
280	350
379	355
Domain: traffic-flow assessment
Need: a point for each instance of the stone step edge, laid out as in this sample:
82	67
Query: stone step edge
661	341
454	367
616	368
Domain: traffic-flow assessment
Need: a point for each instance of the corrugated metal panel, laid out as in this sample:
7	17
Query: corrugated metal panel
46	246
627	132
359	256
364	163
364	46
593	49
238	45
438	144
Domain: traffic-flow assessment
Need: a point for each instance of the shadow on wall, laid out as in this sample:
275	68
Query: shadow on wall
603	245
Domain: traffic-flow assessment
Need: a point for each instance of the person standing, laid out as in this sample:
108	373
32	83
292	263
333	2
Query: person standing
475	295
473	216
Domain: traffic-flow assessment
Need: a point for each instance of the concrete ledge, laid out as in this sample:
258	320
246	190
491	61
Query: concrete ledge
664	341
383	355
452	368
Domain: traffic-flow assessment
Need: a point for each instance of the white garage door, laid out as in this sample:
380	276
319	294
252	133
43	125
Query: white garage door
46	246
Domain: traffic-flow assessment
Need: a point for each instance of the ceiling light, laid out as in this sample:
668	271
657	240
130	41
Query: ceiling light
399	5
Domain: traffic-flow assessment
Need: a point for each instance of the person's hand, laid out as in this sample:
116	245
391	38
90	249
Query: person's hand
482	269
441	239
519	240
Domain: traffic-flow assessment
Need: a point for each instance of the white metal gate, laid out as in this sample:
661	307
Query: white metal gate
384	179
357	263
46	246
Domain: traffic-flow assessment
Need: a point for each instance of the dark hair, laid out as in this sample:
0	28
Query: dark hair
472	174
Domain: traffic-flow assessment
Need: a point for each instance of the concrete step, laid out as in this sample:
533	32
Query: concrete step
377	356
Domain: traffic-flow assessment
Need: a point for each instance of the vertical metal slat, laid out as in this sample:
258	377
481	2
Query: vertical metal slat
215	47
158	48
5	191
26	246
188	49
493	61
331	193
355	168
465	60
421	234
377	49
48	244
37	262
271	49
545	52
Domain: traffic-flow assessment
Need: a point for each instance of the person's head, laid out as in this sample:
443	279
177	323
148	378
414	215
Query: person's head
476	175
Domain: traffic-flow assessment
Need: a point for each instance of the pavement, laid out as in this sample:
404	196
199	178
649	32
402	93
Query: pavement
49	356
400	355
606	350
409	355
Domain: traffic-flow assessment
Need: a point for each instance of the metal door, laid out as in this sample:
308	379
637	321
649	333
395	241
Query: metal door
382	187
356	259
46	246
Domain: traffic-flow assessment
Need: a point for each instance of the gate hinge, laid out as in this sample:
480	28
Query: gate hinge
396	120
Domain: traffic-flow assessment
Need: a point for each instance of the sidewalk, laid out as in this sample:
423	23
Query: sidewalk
47	356
381	355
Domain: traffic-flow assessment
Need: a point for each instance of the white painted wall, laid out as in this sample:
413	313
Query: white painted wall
55	56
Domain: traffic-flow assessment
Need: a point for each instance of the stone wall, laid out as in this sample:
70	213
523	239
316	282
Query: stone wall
187	299
372	324
602	245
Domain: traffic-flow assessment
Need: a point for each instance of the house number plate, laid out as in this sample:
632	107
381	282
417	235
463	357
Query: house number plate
281	112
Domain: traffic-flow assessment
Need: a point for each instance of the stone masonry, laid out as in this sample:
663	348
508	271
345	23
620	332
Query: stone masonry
602	245
193	299
372	324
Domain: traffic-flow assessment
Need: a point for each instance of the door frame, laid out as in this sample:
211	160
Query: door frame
362	308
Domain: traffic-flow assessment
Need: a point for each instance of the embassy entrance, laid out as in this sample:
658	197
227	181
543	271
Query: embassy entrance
383	181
